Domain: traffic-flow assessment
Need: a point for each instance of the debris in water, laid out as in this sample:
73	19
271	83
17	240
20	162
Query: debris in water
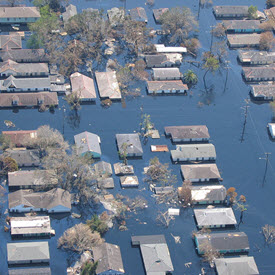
176	238
9	123
188	264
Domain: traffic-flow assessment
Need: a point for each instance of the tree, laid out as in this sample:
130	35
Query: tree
5	142
219	31
192	45
150	2
267	41
209	252
123	152
98	225
7	164
89	268
269	233
210	63
185	194
220	50
240	203
252	12
270	3
146	125
159	173
73	99
164	219
190	77
79	238
178	23
231	194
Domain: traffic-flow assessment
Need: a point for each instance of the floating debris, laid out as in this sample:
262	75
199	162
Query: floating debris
188	264
9	123
176	238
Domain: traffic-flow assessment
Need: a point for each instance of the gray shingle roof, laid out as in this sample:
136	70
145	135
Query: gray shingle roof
192	151
30	271
133	142
164	73
224	241
243	39
108	257
8	42
208	193
236	266
25	55
259	72
230	10
200	171
263	90
139	14
215	216
187	132
19	12
159	12
103	168
87	142
166	85
107	85
256	56
242	24
71	11
28	99
47	200
25	157
27	251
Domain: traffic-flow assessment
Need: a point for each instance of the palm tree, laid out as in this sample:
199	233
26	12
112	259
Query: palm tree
190	77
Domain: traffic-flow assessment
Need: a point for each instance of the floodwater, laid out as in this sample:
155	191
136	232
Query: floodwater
242	164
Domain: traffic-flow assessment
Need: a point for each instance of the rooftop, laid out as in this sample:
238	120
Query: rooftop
25	157
87	142
20	137
19	12
166	85
8	42
256	56
132	141
259	72
230	10
208	193
200	171
139	14
243	39
242	24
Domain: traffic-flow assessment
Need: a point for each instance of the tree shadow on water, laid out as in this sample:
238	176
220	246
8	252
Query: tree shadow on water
73	119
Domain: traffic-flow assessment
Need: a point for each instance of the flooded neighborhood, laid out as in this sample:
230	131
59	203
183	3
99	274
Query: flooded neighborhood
137	137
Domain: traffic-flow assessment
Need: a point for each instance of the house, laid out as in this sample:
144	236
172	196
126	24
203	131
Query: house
109	259
88	143
130	143
70	12
56	200
226	12
12	84
83	86
263	92
11	67
158	13
19	15
166	87
183	134
194	152
121	169
116	16
107	85
163	60
105	183
243	40
200	172
103	169
234	242
155	254
211	194
9	42
139	14
252	57
160	48
25	56
24	157
236	266
28	99
215	217
166	74
271	128
19	138
25	179
243	26
30	271
32	226
129	181
28	253
257	74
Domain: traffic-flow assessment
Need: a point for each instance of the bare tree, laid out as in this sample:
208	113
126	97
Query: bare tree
164	219
269	233
184	193
79	238
209	253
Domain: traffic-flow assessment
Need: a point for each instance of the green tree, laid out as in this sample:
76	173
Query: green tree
123	152
146	125
96	224
190	77
178	23
270	3
89	268
8	164
210	63
252	12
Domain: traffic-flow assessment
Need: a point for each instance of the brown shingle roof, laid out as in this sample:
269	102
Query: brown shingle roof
19	137
16	12
10	42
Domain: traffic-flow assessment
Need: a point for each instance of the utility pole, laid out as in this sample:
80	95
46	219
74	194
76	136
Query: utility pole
266	165
226	77
63	114
211	38
245	118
